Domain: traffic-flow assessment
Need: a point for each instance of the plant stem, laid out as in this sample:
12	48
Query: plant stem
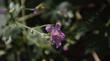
24	18
23	5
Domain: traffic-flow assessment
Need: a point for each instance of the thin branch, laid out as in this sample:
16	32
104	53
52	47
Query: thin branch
95	56
18	55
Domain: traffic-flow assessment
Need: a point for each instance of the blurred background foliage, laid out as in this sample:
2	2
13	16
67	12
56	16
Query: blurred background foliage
85	23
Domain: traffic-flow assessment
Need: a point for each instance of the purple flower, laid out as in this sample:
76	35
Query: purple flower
57	36
3	10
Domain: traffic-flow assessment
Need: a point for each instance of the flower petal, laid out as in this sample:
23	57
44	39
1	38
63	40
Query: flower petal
49	28
58	25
